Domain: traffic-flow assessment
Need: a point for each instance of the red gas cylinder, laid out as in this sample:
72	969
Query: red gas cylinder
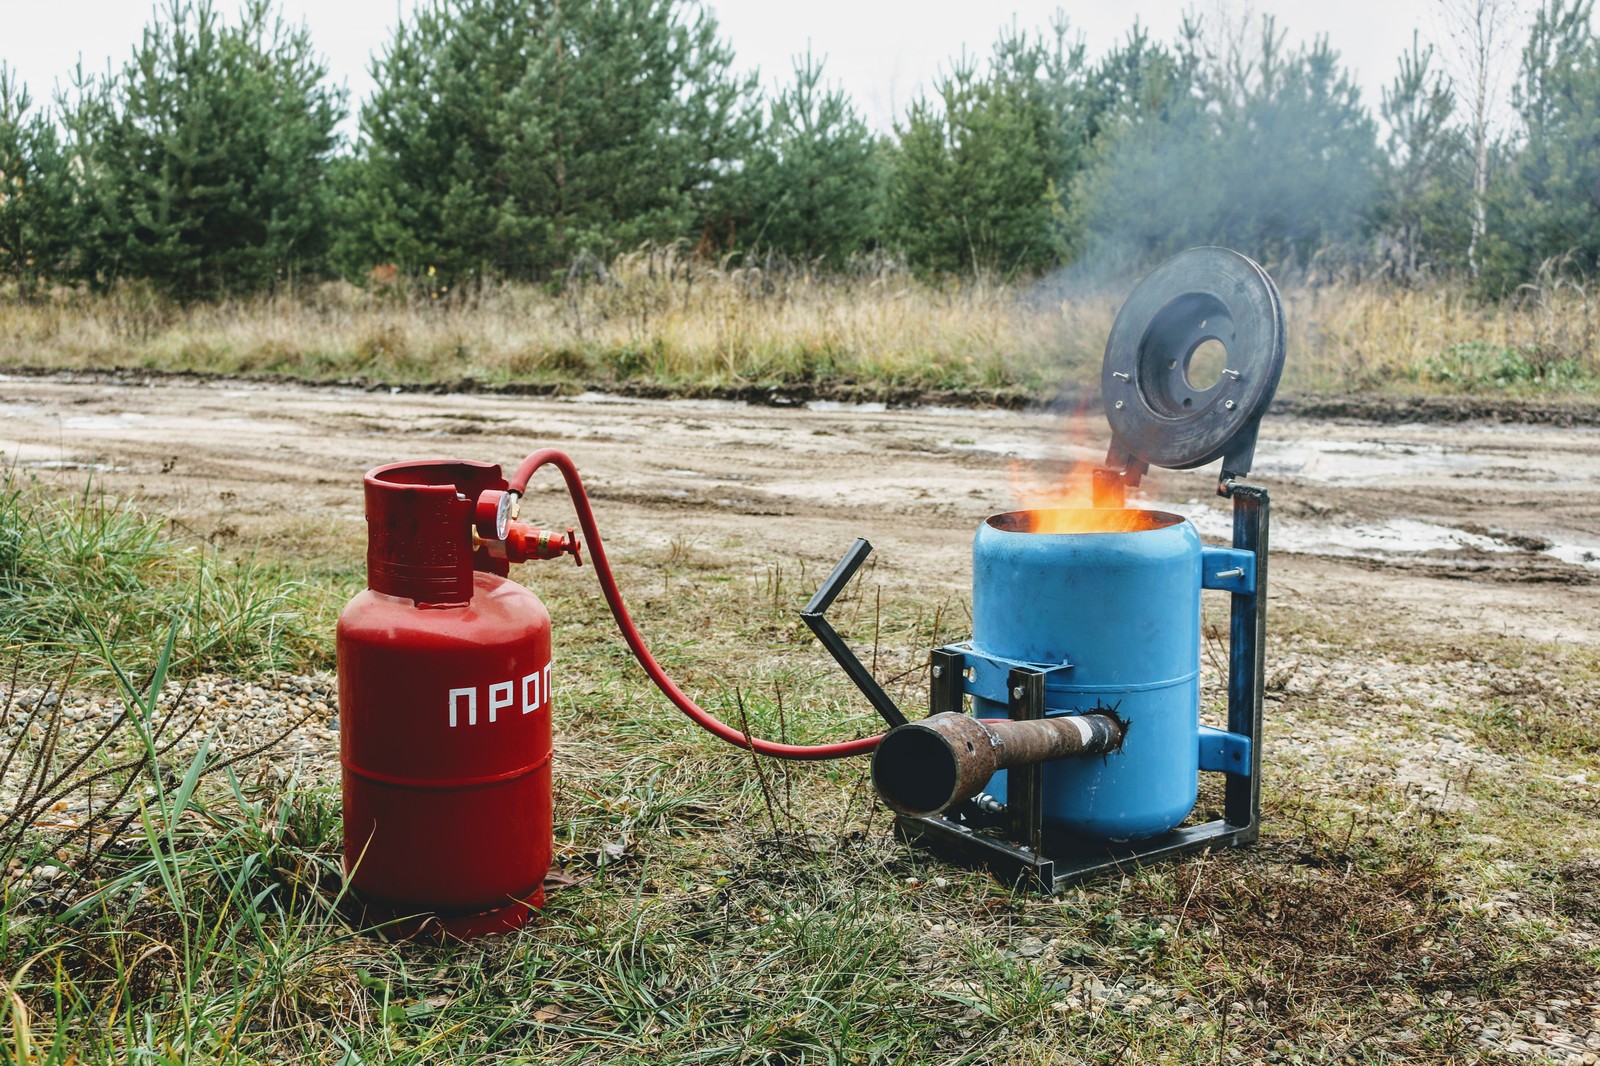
444	704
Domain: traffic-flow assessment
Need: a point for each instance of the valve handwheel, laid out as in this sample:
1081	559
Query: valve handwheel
1165	410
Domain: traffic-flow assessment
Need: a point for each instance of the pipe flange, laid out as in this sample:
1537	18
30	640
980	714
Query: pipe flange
1162	410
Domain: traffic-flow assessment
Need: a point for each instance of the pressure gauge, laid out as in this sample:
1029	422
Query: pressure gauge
493	514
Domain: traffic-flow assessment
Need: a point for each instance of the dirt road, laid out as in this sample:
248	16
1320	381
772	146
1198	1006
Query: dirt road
1442	531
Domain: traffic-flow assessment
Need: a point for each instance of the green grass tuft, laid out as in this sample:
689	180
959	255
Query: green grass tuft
74	566
1478	365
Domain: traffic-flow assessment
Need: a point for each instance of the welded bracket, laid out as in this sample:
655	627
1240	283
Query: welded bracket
1227	569
1025	784
947	669
989	676
1223	752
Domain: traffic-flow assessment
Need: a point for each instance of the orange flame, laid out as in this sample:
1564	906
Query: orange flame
1065	503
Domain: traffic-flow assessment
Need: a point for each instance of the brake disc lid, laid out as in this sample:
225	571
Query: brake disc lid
1159	414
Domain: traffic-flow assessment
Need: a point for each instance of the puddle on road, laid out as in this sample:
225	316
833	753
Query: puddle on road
609	399
100	422
840	406
1326	462
1365	462
1360	462
1388	540
68	464
1576	554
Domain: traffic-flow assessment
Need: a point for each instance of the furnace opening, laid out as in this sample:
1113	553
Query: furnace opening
1083	520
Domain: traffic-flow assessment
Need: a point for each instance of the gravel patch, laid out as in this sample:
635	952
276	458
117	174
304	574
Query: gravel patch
231	716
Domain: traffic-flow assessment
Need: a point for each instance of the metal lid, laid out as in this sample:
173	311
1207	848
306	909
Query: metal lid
1159	414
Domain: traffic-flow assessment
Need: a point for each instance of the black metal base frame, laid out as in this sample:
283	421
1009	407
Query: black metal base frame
1017	845
1067	861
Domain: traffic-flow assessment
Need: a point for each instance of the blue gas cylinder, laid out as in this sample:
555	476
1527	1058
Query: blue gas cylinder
1108	601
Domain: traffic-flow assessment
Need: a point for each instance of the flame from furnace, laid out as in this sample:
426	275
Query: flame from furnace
1065	503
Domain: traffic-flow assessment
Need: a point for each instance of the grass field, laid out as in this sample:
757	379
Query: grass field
172	893
656	322
170	843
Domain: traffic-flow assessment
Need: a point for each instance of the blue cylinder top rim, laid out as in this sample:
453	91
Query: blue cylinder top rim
1113	520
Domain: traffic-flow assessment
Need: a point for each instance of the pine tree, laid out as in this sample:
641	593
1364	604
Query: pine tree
1133	100
206	158
977	182
814	180
1423	208
1271	153
36	192
1141	80
432	186
507	136
1550	198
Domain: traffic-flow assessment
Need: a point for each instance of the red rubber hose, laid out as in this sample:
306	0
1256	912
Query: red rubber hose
630	633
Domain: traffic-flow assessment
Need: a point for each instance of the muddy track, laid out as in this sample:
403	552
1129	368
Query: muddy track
1437	410
1378	409
1432	530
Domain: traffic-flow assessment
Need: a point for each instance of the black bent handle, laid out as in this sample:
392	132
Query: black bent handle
815	615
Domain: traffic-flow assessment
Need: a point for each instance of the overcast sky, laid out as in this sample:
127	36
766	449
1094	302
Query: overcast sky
883	51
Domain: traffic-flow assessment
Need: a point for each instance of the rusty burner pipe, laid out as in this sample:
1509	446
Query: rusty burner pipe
922	768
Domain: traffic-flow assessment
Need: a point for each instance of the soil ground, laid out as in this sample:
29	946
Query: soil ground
1426	885
1433	531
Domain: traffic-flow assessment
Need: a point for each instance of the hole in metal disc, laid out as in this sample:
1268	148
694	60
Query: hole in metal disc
1188	402
1205	365
1169	342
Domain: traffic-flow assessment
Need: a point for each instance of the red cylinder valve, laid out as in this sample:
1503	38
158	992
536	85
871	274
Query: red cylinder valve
522	542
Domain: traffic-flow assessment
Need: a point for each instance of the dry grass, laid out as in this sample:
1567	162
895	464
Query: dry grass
655	320
650	317
1349	338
